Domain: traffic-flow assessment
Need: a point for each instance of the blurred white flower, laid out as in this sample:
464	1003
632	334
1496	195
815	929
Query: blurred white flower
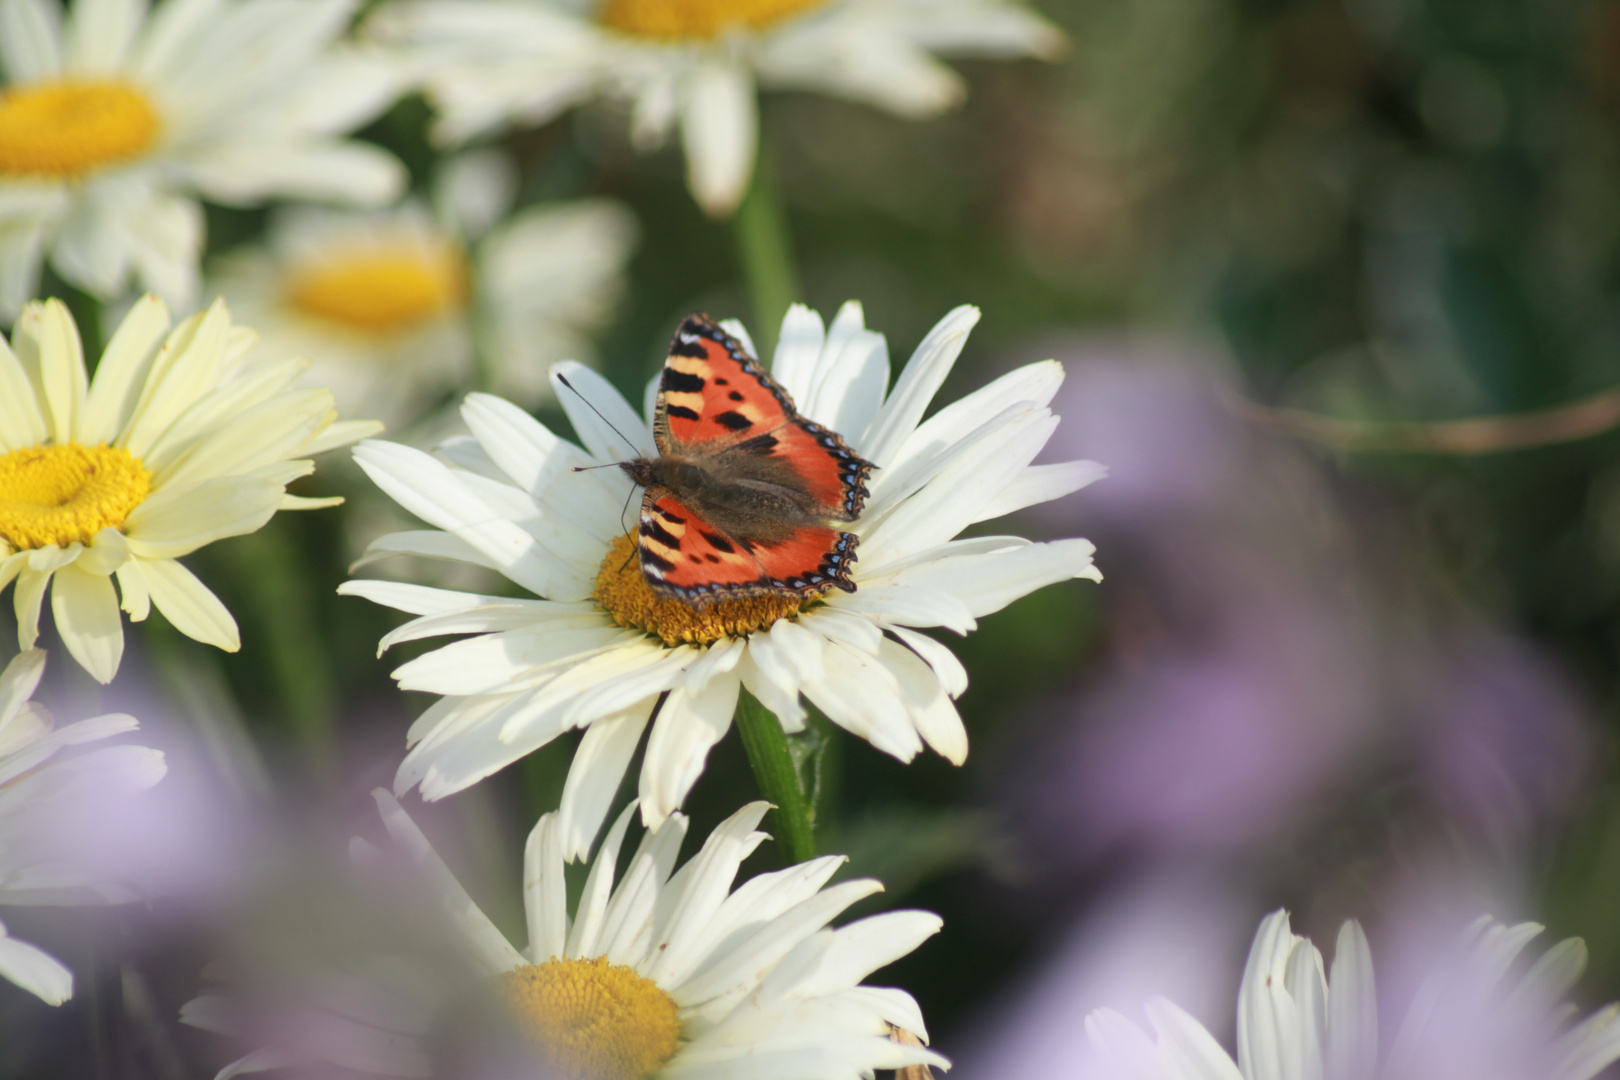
114	120
1473	1018
670	973
695	63
170	447
44	800
394	305
602	652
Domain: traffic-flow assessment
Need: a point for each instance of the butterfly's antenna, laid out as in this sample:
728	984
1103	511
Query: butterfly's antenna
625	509
581	468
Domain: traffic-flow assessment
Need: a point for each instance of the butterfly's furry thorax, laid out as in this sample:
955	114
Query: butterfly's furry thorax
756	499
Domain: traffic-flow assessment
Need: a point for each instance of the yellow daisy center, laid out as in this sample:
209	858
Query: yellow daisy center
69	127
594	1020
381	292
622	589
58	494
670	20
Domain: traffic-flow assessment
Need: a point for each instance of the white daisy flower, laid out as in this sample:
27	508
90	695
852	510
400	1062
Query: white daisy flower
670	973
113	120
1473	1017
43	794
394	304
695	63
597	649
170	447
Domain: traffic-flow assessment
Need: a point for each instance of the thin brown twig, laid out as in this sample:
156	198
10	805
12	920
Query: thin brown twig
1475	435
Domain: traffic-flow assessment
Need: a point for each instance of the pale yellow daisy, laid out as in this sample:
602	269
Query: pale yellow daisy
173	445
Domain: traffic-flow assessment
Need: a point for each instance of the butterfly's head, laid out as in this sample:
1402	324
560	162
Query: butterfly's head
641	470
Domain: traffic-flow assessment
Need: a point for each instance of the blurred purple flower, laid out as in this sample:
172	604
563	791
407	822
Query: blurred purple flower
1266	652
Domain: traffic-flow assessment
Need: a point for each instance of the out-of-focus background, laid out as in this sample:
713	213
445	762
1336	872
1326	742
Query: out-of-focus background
1351	656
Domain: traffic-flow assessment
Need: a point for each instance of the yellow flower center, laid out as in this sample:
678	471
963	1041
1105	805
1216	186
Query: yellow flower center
594	1020
58	494
381	292
72	126
670	20
622	589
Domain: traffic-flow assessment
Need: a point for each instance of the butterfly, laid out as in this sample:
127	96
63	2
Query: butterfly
744	493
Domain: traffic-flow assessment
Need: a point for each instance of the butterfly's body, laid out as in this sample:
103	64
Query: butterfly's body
741	498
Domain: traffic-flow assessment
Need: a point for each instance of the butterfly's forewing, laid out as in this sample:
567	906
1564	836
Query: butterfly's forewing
713	394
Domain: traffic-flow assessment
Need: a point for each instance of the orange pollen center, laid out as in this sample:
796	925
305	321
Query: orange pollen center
69	127
381	292
673	20
622	589
592	1020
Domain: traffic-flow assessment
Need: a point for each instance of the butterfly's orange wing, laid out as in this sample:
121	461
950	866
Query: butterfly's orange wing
715	399
713	394
686	556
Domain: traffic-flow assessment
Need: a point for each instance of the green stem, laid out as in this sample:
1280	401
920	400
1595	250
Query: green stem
294	644
778	777
765	247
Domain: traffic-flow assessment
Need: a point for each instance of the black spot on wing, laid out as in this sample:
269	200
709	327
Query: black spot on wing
736	421
718	542
651	561
659	533
734	396
680	411
681	382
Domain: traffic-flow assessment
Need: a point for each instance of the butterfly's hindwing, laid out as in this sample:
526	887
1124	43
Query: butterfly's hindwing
680	551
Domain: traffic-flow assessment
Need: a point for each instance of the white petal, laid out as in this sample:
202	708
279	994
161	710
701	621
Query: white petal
593	899
186	368
35	970
606	424
688	725
21	422
100	34
86	611
1042	483
737	973
248	172
30	40
429	544
916	387
986	583
178	520
594	777
47	343
189	605
122	370
797	351
1191	1046
719	133
545	899
864	946
488	944
429	490
1352	1017
18	682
